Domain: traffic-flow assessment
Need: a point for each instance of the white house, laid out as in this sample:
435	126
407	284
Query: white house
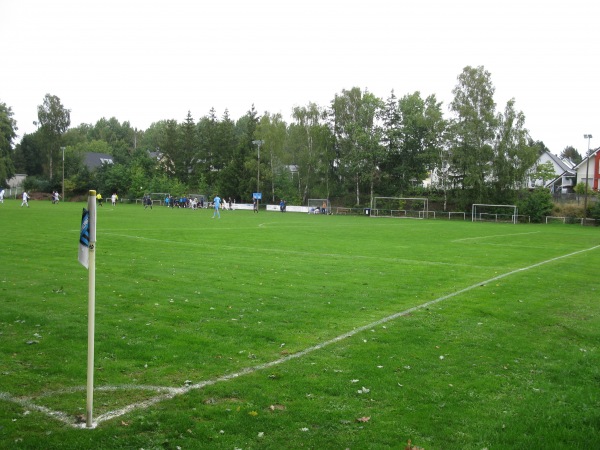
564	170
588	170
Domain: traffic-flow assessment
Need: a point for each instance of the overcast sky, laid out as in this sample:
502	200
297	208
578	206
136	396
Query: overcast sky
147	60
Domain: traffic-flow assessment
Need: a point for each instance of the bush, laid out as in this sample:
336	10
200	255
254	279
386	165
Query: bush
568	210
37	184
537	204
595	212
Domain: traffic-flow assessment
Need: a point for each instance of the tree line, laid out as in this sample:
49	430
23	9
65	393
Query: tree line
358	147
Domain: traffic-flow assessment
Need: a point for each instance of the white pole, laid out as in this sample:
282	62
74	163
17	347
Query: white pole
91	309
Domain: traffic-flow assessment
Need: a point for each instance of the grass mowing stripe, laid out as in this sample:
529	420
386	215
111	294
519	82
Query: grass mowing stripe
298	252
493	236
172	392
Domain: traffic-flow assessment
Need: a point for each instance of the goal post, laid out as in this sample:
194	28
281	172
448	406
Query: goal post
410	207
158	197
319	206
481	212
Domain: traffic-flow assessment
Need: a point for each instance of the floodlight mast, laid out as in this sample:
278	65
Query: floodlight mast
63	174
258	143
587	174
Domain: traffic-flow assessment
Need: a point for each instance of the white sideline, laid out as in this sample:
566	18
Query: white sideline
170	392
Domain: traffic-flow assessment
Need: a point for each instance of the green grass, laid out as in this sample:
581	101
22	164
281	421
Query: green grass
507	358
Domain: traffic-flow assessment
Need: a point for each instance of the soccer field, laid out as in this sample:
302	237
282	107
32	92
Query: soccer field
291	330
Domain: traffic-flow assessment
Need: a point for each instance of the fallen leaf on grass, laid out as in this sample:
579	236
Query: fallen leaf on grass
363	419
409	446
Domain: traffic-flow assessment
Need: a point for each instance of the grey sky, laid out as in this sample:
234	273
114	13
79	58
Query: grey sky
144	61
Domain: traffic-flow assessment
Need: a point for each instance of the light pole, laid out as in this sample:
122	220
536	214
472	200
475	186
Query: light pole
587	171
63	175
258	143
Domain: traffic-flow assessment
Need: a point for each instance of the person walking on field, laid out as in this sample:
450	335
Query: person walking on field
25	199
217	204
1	195
114	199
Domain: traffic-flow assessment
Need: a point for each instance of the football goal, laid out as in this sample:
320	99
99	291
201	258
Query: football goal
155	197
319	206
494	213
415	208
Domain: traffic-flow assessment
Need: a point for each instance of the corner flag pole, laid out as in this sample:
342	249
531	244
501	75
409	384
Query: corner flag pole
91	307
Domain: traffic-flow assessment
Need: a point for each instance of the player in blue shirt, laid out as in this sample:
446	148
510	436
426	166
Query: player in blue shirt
217	204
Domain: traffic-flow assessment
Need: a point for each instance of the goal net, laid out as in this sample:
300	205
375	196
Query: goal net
157	197
198	198
415	207
319	206
494	213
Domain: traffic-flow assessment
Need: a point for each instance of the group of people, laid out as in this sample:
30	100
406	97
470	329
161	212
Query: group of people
195	203
147	201
184	202
113	198
25	197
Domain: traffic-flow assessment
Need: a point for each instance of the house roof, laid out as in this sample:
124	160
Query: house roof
94	160
566	173
563	163
591	155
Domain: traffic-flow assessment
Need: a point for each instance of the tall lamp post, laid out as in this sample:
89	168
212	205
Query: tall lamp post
258	143
587	173
63	174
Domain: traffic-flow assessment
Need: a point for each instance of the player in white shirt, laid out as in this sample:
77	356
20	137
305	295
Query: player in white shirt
25	199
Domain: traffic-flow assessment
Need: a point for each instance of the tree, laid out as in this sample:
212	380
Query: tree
218	143
537	204
120	137
419	132
188	150
392	142
473	130
544	172
512	156
359	136
569	152
28	155
309	140
8	128
169	148
272	130
239	176
54	120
